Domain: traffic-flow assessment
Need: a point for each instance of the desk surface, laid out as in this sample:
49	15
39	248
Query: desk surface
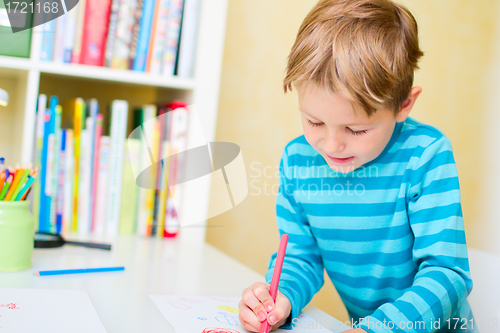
152	266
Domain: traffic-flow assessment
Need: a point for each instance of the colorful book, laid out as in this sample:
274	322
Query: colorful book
135	33
189	36
95	167
144	33
123	38
178	143
157	37
44	224
40	125
67	221
118	132
60	182
172	39
14	44
102	186
58	52
94	32
111	35
78	31
162	188
85	179
47	47
69	35
92	112
74	115
128	211
144	118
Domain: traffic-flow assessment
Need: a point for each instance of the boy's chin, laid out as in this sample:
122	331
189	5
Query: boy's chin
344	168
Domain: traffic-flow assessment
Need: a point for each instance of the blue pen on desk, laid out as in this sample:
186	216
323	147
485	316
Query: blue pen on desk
78	271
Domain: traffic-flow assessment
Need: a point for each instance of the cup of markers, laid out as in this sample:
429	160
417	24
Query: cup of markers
16	221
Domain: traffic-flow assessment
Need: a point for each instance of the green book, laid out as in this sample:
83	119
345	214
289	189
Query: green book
128	211
14	44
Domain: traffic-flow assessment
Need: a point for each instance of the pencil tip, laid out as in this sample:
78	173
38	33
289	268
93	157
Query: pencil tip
36	273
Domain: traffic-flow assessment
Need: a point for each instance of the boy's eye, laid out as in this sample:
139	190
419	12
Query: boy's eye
357	132
314	124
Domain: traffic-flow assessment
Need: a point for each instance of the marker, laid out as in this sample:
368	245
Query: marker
265	327
78	271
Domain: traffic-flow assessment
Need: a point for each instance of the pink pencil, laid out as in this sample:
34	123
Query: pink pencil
265	327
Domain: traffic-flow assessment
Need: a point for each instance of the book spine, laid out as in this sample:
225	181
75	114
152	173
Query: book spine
189	35
95	168
68	183
128	211
172	40
94	32
135	33
118	132
124	28
46	51
78	121
102	186
58	53
69	34
110	39
85	178
165	153
40	124
78	32
144	33
146	121
178	141
54	180
161	119
93	107
155	56
60	183
45	198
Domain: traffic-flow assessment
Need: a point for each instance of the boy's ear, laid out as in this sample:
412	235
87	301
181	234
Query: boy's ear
408	104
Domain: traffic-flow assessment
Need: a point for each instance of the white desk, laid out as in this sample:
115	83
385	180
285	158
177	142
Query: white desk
152	266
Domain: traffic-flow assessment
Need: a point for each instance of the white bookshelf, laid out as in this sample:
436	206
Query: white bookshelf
25	79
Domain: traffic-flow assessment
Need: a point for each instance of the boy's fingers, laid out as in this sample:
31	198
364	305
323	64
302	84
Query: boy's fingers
251	302
261	291
247	318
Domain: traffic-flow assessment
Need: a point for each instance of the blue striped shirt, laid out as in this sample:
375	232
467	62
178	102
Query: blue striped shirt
389	234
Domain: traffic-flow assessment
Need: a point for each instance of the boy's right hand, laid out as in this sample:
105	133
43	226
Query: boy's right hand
257	305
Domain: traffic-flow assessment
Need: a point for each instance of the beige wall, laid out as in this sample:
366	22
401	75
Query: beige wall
459	73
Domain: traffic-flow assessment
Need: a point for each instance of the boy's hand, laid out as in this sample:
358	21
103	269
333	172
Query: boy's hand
257	306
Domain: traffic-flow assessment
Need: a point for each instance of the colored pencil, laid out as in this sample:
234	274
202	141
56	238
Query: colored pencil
6	187
265	327
22	192
21	183
78	271
2	180
17	176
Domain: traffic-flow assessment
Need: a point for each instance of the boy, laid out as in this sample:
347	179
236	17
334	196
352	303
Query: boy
367	193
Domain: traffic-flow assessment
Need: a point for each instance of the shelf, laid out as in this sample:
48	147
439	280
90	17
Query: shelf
97	73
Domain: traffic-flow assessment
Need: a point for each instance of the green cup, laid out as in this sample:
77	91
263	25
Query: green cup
17	235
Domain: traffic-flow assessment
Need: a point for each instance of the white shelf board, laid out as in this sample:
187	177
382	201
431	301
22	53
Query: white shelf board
98	73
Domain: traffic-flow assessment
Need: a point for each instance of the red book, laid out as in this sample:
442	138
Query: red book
95	30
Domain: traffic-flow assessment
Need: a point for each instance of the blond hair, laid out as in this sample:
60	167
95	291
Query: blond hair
365	50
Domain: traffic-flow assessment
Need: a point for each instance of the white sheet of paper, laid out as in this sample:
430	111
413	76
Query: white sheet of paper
196	314
47	311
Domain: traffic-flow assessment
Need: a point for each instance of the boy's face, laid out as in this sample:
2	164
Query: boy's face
345	139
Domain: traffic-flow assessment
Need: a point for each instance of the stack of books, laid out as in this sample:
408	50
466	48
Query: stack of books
153	36
108	172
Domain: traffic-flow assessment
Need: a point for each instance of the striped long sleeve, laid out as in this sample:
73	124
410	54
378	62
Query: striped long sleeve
390	234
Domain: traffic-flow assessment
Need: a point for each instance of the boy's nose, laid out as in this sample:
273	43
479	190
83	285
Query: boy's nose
334	143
